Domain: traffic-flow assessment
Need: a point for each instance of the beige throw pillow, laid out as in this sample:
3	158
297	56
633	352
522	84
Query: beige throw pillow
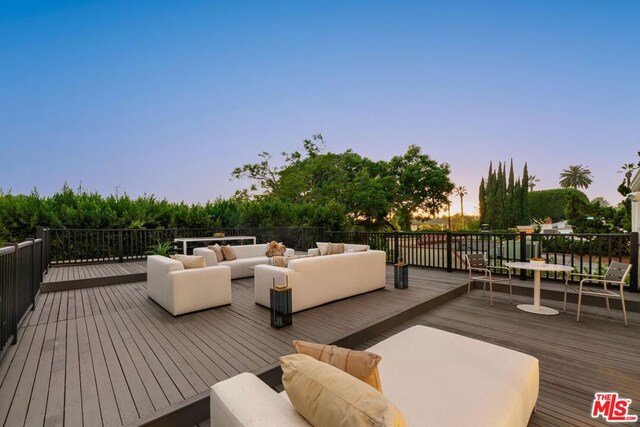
335	248
283	261
228	252
361	364
190	261
218	251
329	397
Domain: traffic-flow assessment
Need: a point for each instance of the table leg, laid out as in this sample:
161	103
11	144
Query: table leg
536	308
536	289
184	247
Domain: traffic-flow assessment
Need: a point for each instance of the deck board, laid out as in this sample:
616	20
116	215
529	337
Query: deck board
108	355
576	359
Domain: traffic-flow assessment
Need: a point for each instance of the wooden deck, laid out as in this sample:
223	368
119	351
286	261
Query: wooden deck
109	356
67	277
576	359
65	273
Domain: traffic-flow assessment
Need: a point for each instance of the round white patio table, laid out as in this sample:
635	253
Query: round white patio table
536	308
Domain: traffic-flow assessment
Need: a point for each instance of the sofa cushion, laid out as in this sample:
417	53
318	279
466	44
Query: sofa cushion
190	261
218	251
365	249
323	246
283	261
335	248
327	396
228	252
361	364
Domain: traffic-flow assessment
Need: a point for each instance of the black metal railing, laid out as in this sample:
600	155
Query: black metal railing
22	266
80	246
586	253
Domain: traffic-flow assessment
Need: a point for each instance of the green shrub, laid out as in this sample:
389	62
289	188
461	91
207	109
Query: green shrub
551	203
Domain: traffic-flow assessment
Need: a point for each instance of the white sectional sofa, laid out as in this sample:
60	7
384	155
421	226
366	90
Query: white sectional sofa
248	256
434	377
181	291
321	279
348	248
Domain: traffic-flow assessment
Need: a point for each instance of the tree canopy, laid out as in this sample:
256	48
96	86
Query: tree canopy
372	193
503	200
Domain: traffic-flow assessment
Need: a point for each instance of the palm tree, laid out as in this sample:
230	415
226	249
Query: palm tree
532	182
461	191
627	169
576	176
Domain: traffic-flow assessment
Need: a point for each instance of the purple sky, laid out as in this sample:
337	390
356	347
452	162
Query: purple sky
167	100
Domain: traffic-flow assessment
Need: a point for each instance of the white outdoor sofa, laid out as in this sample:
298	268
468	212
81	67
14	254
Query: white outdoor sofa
318	280
181	291
248	256
434	377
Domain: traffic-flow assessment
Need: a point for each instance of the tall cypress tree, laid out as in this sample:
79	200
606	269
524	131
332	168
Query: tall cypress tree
512	209
500	196
482	202
525	215
489	216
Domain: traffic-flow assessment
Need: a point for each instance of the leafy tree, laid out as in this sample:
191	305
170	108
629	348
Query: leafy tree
421	184
593	217
552	203
576	176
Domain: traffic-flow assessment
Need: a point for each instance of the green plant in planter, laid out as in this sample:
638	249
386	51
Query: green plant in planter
161	248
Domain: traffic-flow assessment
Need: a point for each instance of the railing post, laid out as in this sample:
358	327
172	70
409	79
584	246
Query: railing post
14	296
396	246
449	258
120	245
635	259
34	274
523	253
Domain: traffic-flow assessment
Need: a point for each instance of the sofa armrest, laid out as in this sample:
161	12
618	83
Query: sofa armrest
244	400
209	256
313	252
264	279
290	252
198	288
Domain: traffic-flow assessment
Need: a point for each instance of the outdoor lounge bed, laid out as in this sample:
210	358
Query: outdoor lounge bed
434	377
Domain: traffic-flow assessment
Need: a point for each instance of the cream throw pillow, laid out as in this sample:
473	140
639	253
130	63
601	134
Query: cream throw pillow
329	397
218	251
335	248
361	364
228	252
323	246
190	261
